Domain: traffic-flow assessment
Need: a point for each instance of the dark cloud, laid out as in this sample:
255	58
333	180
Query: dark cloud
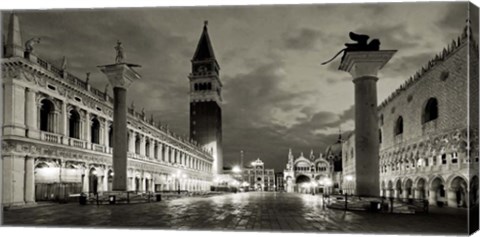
302	39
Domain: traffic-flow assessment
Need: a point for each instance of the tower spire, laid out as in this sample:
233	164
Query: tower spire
13	47
204	49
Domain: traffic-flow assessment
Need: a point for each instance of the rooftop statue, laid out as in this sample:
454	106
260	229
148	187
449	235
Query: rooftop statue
30	43
360	45
120	55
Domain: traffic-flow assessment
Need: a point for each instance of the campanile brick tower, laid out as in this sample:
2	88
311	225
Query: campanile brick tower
206	100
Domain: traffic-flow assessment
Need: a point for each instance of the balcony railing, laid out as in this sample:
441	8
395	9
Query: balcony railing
97	147
51	137
76	143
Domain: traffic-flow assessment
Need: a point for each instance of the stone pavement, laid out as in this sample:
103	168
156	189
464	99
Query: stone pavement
253	211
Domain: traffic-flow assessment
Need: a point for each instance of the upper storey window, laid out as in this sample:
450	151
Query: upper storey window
430	112
399	126
47	116
74	124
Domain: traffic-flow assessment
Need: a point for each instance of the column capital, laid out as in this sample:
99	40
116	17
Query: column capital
120	75
365	63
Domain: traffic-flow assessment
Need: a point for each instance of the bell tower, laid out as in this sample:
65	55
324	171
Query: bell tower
206	100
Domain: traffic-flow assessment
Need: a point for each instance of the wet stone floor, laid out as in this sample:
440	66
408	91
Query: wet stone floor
253	211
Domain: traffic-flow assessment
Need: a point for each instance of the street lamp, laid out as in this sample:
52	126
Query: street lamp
236	169
314	185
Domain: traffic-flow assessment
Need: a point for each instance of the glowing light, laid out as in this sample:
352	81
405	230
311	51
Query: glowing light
236	169
349	177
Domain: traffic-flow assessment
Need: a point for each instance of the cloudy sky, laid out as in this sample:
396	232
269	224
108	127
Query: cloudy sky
276	94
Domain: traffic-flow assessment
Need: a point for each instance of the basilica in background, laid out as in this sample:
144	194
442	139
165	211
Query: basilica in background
428	137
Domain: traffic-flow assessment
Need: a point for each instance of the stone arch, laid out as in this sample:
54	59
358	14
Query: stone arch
437	194
458	192
430	110
47	115
408	188
95	130
93	180
74	124
398	188
421	188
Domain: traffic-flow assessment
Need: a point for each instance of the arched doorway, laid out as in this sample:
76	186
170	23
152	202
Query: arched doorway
93	181
302	182
137	184
398	189
437	192
457	196
420	191
408	189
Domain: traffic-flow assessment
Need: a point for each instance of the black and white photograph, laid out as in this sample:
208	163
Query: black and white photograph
320	118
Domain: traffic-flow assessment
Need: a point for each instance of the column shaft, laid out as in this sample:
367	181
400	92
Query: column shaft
120	139
366	136
29	180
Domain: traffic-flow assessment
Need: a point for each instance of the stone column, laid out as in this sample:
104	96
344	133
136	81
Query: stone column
31	114
131	141
13	177
143	139
29	180
13	109
364	66
165	154
86	181
105	135
120	76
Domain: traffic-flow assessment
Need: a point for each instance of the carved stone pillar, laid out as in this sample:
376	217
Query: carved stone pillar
31	114
364	66
29	180
143	139
131	141
13	175
13	109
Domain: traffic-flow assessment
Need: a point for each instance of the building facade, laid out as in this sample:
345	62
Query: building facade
429	131
57	133
258	177
313	174
279	181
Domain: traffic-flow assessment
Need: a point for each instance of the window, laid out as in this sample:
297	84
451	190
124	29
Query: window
379	135
399	126
454	158
95	131
110	136
46	116
430	111
147	148
381	119
74	124
137	144
444	159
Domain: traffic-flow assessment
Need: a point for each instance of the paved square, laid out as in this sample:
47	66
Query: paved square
258	211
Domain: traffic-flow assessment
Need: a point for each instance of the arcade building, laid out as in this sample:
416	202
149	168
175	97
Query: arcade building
429	132
57	130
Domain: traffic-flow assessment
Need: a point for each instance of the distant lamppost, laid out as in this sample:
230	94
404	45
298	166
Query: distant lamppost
328	183
177	177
